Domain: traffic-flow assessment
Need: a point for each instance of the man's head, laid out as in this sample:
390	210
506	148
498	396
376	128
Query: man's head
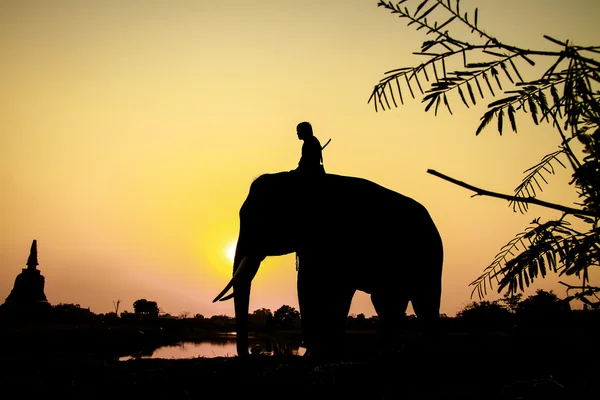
304	130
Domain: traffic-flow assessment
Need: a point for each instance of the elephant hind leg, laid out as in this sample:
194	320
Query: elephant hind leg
391	311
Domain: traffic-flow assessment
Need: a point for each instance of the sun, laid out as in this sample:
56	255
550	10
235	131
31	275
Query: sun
230	251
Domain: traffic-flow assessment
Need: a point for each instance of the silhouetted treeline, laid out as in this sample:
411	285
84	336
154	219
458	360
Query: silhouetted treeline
543	309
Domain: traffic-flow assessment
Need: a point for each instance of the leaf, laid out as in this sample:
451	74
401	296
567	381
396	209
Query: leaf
488	83
427	45
479	65
421	6
533	109
462	96
476	17
393	98
409	87
502	101
435	72
479	88
428	11
425	73
487	117
399	91
511	117
515	69
471	93
416	76
527	59
437	103
495	54
439	28
543	104
503	66
495	75
500	116
374	102
521	281
430	96
555	96
444	66
431	103
385	97
554	40
447	104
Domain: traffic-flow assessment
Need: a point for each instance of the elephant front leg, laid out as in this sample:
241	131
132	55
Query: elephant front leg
324	306
308	310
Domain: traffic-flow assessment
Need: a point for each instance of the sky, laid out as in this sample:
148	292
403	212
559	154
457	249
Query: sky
130	132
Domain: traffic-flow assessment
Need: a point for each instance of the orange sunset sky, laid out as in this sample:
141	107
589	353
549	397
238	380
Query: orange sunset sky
130	132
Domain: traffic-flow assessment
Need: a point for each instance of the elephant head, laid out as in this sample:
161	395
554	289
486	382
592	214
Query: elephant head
268	227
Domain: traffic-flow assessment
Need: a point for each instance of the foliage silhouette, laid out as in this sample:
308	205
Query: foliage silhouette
286	317
512	300
145	309
71	313
562	96
543	308
261	320
486	315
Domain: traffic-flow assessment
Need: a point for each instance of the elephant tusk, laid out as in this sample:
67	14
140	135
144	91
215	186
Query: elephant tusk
229	296
233	280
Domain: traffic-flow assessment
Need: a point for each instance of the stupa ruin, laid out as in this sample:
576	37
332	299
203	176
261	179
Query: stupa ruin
28	294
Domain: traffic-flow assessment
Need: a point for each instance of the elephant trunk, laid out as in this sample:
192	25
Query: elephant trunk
241	301
246	266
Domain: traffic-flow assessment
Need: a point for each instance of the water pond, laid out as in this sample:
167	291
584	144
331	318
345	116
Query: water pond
217	347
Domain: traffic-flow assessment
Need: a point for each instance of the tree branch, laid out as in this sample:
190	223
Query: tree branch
531	200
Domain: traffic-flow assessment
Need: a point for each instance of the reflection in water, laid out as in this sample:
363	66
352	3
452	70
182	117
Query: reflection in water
218	348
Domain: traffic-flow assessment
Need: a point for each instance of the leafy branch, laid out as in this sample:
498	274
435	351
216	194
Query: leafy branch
527	188
563	96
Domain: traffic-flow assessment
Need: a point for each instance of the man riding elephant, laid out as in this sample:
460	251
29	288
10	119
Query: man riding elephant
311	161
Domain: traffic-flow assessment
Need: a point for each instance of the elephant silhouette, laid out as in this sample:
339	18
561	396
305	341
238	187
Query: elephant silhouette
349	234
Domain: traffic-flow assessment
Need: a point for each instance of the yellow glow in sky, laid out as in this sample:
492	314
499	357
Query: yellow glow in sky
131	131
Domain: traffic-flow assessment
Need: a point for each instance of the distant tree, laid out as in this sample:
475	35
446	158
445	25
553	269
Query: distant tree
485	314
111	318
542	308
222	322
286	317
260	318
116	305
72	313
512	300
564	96
127	316
145	310
199	316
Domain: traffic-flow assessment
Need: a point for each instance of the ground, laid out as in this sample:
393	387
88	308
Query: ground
535	365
